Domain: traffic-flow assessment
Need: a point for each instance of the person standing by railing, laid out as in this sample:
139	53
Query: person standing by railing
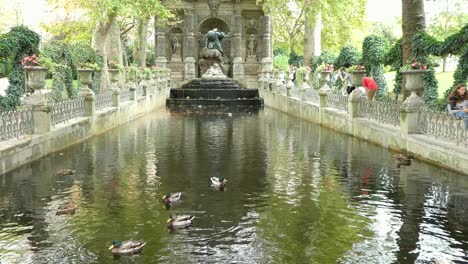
371	87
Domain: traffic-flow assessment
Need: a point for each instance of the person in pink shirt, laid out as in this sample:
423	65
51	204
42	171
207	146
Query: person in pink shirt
371	87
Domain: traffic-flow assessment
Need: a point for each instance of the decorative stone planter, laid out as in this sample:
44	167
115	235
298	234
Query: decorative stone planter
36	77
324	77
356	78
413	83
86	76
113	75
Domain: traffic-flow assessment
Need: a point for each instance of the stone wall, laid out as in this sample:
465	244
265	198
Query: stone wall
17	152
441	153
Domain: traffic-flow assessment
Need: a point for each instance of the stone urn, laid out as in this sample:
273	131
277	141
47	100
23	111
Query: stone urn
324	78
113	75
36	77
413	83
356	78
86	76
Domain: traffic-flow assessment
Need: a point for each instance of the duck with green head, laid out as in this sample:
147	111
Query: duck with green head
171	198
126	247
218	182
179	222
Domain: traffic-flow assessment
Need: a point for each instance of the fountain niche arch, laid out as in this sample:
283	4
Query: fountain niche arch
211	23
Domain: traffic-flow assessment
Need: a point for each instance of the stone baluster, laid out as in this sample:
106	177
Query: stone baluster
290	84
322	103
305	85
410	109
114	79
354	103
88	94
132	85
42	111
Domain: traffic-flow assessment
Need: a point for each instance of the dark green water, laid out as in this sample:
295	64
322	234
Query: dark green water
297	193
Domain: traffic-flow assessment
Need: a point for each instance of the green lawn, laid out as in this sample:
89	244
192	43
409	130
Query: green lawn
445	80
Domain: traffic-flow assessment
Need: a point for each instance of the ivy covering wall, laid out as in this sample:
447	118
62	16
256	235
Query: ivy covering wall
348	54
62	76
373	52
14	46
83	53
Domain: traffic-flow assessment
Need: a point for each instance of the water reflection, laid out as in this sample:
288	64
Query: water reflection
296	193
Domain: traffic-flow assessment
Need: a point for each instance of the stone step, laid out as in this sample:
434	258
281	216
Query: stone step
214	93
212	84
176	102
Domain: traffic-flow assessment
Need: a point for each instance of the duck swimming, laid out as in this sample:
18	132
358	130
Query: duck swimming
65	172
66	209
127	247
218	181
403	160
171	198
179	222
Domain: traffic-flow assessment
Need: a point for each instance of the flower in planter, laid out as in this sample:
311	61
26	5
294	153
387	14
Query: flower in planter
35	61
415	65
326	67
357	68
89	65
113	65
30	61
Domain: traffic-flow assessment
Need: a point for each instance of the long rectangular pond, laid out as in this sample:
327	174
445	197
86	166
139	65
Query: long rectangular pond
296	193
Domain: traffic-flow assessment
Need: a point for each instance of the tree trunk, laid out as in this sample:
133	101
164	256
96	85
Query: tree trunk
312	36
444	63
317	48
412	22
139	49
99	40
114	45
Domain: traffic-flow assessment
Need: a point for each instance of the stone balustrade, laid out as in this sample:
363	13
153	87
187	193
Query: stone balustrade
41	127
33	118
434	136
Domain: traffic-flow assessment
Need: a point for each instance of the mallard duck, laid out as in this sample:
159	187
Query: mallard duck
127	247
179	218
179	222
171	198
65	172
404	160
218	181
66	209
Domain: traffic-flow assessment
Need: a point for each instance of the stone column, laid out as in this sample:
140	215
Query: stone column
189	47
116	97
88	94
160	36
236	46
267	36
409	115
89	104
354	103
322	104
42	111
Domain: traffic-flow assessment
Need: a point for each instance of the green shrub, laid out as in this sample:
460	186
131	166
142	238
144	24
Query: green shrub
14	45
